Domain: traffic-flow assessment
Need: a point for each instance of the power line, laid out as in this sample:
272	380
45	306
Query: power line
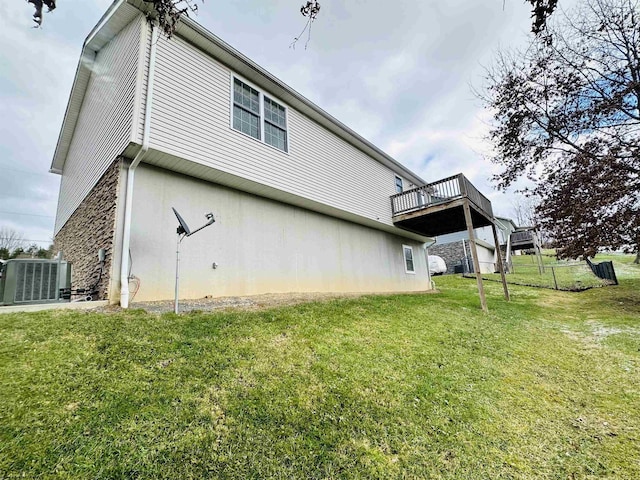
27	214
22	240
26	171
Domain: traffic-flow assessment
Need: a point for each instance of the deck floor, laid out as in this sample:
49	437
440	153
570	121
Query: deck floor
434	220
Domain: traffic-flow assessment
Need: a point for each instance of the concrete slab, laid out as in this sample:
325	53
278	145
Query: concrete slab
53	306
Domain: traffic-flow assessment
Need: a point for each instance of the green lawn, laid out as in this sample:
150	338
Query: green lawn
404	386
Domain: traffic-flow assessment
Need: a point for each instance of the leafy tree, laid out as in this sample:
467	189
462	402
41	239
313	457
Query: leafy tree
566	116
34	251
18	253
12	246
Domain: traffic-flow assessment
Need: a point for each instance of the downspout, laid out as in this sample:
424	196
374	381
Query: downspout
426	250
131	169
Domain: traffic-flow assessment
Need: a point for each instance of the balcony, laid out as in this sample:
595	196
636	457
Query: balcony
438	208
523	240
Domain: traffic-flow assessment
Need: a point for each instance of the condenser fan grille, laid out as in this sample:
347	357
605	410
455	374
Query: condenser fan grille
36	281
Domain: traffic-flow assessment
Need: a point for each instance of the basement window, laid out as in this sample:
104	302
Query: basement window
259	116
408	259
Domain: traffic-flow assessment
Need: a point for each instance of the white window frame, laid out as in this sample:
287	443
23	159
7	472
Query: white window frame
404	259
261	119
401	184
259	113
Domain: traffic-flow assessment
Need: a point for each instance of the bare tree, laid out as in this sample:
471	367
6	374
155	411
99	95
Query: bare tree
310	11
10	240
523	209
166	13
566	116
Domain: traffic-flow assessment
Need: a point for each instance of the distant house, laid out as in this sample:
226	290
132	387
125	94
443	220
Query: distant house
302	202
505	227
456	250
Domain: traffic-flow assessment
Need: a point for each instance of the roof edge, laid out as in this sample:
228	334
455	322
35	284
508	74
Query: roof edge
78	89
103	20
103	32
100	35
300	101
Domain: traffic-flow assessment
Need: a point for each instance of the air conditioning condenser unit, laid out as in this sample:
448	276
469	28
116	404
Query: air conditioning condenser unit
30	280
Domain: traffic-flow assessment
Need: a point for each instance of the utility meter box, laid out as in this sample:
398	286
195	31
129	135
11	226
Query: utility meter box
31	280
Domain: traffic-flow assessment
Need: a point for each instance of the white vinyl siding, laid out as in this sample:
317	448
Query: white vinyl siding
143	79
104	126
192	119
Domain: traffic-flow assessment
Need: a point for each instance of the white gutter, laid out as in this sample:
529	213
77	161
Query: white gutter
426	251
103	21
228	54
128	202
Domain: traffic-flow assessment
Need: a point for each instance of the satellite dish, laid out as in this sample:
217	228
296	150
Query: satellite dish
184	231
183	228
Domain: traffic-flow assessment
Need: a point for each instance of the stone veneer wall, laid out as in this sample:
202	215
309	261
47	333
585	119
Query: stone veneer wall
90	228
451	253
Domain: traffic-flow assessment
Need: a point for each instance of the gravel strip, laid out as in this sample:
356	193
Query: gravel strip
255	302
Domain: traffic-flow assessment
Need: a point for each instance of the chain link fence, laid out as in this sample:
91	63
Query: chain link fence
526	270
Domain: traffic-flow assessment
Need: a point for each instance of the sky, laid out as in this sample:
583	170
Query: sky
399	73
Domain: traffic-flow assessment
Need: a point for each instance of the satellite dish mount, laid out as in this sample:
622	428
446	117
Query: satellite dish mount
183	231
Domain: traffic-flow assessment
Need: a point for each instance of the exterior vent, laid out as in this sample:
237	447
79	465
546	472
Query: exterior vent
33	281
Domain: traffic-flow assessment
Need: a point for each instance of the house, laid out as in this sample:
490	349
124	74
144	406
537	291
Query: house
302	203
506	227
455	248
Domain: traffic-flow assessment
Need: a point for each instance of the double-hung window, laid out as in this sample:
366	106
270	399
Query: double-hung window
259	116
246	109
275	124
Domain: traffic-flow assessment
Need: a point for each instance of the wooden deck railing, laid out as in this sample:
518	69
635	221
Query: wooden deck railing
442	191
520	238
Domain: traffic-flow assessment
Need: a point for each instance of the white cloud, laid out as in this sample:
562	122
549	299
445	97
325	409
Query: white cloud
397	72
36	71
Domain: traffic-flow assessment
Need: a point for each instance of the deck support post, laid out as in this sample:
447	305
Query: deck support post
474	254
500	264
536	248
